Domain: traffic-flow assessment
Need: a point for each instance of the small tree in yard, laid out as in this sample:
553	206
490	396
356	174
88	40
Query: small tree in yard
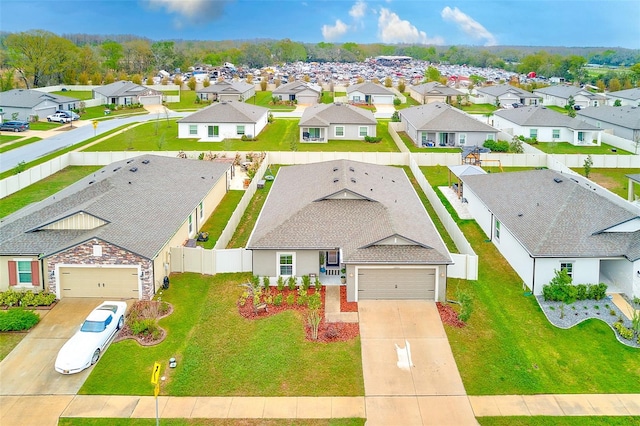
516	146
388	82
263	85
191	84
314	302
401	86
588	163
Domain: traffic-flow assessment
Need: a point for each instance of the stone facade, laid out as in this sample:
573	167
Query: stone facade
111	255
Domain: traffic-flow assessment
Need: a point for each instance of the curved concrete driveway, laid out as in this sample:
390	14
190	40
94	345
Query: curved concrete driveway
430	391
28	369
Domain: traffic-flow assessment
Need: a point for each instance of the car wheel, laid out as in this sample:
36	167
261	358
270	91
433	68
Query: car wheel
120	323
95	357
16	130
49	120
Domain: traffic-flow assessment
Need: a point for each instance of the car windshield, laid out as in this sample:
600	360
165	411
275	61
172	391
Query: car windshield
93	326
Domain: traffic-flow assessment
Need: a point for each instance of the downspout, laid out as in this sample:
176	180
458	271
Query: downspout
42	272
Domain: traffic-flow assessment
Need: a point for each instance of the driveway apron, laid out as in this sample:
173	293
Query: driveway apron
29	368
421	386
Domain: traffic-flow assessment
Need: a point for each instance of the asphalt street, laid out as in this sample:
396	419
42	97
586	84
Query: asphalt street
30	152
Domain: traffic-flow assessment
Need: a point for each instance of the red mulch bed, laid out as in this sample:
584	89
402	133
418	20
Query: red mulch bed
327	332
143	339
449	316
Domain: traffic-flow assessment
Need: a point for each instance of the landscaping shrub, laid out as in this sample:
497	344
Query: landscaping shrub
145	327
277	300
372	139
291	282
466	306
581	293
597	291
18	319
291	298
560	289
397	101
10	298
496	146
280	283
306	282
265	282
625	333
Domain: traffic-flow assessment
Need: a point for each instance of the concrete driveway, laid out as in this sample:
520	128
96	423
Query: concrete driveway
28	369
427	392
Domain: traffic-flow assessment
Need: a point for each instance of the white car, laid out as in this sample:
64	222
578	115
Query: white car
84	347
59	117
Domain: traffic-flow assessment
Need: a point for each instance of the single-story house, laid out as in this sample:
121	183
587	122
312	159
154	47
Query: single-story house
559	96
506	95
623	121
440	124
224	120
433	92
546	125
543	221
370	93
109	234
300	92
363	218
324	122
626	97
29	104
127	93
227	91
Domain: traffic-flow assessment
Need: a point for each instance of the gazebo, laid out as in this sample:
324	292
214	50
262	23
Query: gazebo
462	170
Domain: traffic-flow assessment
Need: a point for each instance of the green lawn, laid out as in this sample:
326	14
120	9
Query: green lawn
220	353
45	125
10	146
219	218
410	103
79	421
413	148
5	139
615	180
327	97
97	112
559	421
8	341
281	135
43	188
567	148
478	108
559	109
509	347
83	95
187	102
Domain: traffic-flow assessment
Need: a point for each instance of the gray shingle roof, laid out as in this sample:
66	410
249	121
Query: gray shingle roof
564	91
227	87
125	88
501	89
624	116
226	112
143	209
23	98
631	94
293	88
556	219
436	89
327	114
543	117
369	88
439	116
348	205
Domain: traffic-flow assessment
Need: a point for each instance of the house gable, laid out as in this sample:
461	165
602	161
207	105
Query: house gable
76	221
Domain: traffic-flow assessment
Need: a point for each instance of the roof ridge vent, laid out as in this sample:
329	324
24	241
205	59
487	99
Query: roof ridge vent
336	180
335	169
351	169
557	180
353	180
133	169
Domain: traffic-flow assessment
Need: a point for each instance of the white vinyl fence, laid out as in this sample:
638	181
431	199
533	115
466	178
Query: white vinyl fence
210	262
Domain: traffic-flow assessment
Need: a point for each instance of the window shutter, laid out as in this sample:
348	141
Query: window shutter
13	272
35	273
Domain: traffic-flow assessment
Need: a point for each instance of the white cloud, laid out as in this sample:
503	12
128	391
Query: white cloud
193	10
470	26
392	29
334	32
358	10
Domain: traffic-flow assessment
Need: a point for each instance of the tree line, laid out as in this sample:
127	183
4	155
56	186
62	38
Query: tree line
38	58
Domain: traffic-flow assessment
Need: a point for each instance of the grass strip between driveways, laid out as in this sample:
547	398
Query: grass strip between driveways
10	146
220	353
509	347
79	421
559	421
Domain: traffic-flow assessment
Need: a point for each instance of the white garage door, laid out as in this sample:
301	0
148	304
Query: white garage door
396	284
307	100
120	283
151	100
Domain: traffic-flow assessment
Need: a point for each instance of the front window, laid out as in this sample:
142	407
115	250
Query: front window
364	131
556	134
24	272
568	268
193	129
240	130
490	137
497	232
533	133
356	98
313	132
285	264
97	250
339	131
462	138
190	224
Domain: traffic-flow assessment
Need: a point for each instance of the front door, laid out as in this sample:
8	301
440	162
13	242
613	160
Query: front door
333	258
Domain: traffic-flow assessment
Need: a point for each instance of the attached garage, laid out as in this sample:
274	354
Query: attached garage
396	283
307	99
105	282
150	100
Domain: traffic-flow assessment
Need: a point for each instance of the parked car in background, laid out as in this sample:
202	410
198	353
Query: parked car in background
84	347
59	117
72	115
15	126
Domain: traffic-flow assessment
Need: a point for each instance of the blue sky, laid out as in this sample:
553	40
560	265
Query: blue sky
583	23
